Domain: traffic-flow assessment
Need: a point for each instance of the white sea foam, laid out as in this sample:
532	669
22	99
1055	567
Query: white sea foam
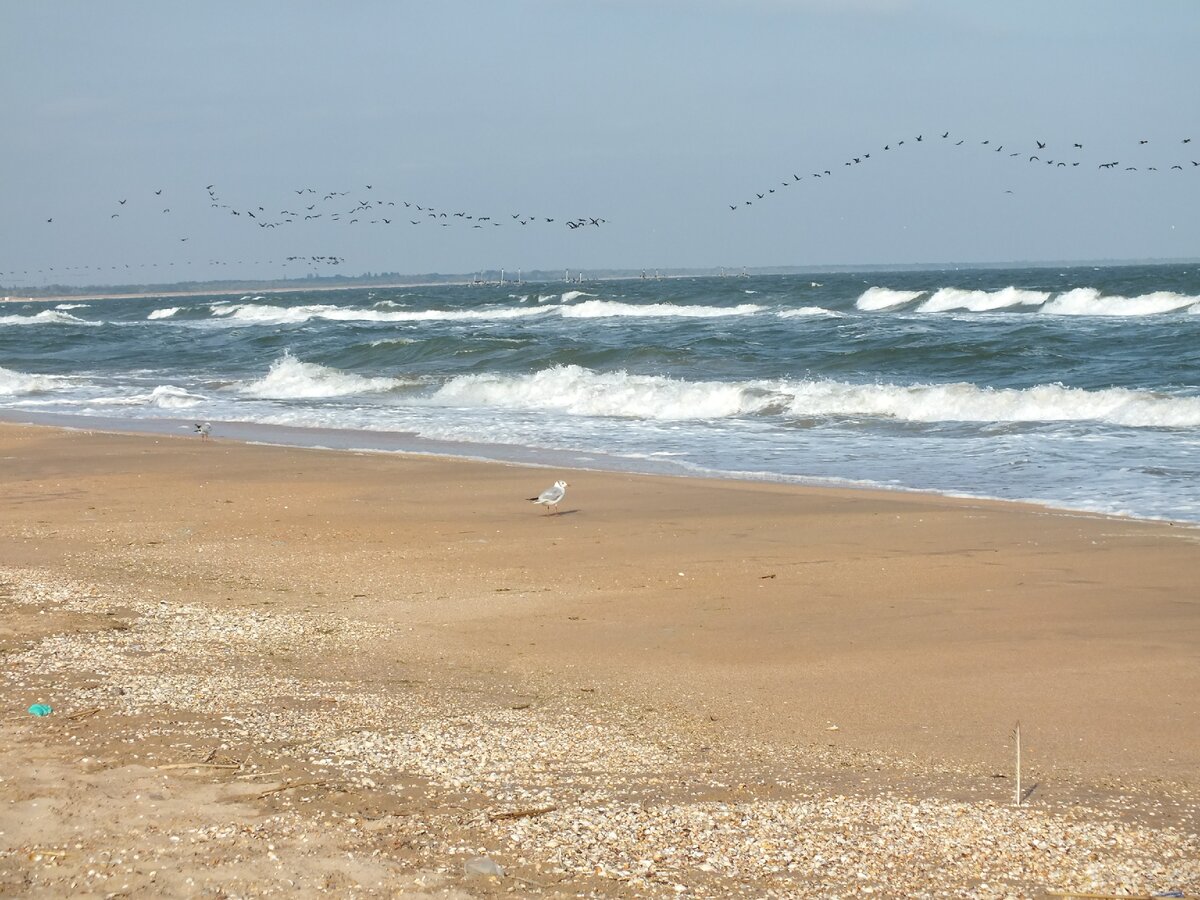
45	317
258	314
599	309
72	306
393	342
165	396
1090	302
14	384
981	301
875	298
802	312
289	379
164	313
583	392
964	402
571	295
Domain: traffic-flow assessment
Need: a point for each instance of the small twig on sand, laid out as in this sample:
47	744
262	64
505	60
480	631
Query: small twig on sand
530	881
83	714
199	765
520	813
259	774
39	852
293	785
1016	733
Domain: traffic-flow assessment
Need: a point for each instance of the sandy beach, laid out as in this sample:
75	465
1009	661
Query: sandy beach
275	670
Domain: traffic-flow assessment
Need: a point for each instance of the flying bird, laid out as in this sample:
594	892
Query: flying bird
552	496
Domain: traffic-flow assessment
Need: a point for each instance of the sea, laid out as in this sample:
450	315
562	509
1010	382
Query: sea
1076	388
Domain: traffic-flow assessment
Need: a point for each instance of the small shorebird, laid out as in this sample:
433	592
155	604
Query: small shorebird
204	429
551	496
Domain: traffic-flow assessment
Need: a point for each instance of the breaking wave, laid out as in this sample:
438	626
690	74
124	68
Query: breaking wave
575	390
1077	302
582	392
598	309
165	396
14	384
164	313
874	298
260	314
45	317
982	301
965	402
289	378
1090	302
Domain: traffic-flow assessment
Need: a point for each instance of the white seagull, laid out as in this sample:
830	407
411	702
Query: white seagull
204	429
551	496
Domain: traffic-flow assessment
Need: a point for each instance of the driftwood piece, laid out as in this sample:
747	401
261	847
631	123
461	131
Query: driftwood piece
520	813
292	786
199	765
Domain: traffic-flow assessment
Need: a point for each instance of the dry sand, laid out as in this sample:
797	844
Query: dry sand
377	667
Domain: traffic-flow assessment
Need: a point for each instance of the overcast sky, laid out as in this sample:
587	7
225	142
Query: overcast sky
654	116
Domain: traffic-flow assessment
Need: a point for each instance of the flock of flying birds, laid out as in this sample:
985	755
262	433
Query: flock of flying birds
366	208
1039	153
376	211
312	205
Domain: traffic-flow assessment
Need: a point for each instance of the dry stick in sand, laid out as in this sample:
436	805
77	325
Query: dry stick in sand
520	813
200	765
288	787
1016	733
260	774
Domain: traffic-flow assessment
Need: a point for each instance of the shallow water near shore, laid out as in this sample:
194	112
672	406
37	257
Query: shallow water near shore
1076	388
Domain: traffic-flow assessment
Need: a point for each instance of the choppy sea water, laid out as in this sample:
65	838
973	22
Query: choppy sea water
1076	388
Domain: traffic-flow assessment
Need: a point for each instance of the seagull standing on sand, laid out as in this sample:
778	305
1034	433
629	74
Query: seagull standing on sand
551	496
204	429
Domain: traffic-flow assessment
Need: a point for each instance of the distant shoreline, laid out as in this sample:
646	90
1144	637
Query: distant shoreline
545	276
220	292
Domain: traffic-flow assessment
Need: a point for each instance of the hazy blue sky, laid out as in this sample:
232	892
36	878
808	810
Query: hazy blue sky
654	115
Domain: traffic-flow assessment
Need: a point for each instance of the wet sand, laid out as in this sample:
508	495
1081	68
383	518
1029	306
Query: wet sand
619	699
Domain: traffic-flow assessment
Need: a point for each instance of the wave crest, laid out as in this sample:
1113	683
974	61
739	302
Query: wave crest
875	298
15	384
598	309
946	299
583	392
1090	302
291	379
263	314
965	402
45	317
